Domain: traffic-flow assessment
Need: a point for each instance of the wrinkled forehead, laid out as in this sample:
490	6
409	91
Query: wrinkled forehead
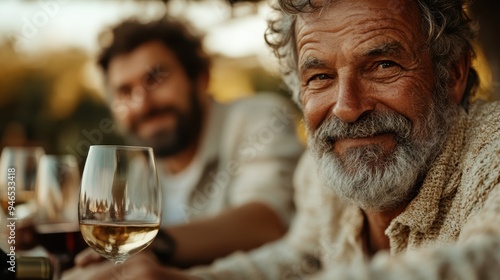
358	24
337	11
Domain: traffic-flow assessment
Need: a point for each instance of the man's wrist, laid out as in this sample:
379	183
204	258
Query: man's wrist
164	246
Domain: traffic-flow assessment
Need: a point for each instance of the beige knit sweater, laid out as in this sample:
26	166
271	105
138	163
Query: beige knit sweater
451	229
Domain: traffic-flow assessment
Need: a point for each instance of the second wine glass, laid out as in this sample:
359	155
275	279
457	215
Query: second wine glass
56	222
120	201
19	167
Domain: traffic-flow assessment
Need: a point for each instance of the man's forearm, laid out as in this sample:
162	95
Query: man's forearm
238	229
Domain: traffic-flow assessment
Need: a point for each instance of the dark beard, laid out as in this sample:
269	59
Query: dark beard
187	130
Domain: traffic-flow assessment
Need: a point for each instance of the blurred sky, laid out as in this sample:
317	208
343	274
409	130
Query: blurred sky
53	24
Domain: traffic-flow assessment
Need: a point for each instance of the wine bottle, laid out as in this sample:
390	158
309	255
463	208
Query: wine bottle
14	267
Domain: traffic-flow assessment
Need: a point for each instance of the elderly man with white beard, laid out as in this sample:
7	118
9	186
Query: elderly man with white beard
409	168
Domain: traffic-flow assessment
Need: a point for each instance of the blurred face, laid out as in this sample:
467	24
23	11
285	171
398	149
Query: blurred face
153	99
369	99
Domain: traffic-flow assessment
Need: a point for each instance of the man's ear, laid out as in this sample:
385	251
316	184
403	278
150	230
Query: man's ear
202	83
459	75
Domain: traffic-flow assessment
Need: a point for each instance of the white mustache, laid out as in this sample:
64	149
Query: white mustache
333	129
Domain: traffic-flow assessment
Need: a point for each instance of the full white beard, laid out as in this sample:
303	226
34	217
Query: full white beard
374	187
374	181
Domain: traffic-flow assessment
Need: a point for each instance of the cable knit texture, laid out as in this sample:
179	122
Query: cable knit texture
450	230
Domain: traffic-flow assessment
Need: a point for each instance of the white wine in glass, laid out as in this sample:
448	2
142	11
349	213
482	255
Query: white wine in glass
120	200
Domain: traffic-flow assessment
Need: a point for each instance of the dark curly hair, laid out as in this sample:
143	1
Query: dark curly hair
131	33
446	25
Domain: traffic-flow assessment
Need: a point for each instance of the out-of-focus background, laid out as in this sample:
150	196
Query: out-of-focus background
51	92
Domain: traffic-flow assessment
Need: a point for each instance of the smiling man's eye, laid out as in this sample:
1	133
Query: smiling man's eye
319	81
387	64
320	77
383	70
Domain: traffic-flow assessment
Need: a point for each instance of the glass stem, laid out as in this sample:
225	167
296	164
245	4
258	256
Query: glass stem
118	262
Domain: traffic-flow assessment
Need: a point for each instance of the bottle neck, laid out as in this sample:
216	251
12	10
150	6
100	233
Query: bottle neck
25	268
33	268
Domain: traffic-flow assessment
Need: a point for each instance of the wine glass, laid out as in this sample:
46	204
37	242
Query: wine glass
18	169
120	201
56	222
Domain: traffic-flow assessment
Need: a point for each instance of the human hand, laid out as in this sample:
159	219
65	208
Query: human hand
143	266
91	270
87	257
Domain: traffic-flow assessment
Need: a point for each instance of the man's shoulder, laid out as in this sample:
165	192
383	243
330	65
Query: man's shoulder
263	123
486	113
483	125
484	117
260	103
481	161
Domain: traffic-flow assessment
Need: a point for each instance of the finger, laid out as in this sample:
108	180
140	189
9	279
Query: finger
148	265
142	268
75	273
71	274
86	257
94	271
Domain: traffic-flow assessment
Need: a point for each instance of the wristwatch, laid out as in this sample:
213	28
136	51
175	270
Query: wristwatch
163	246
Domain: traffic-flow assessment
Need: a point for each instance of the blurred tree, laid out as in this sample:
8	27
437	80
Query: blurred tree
44	101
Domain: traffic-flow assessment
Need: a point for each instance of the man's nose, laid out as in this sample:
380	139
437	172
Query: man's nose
352	101
139	100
